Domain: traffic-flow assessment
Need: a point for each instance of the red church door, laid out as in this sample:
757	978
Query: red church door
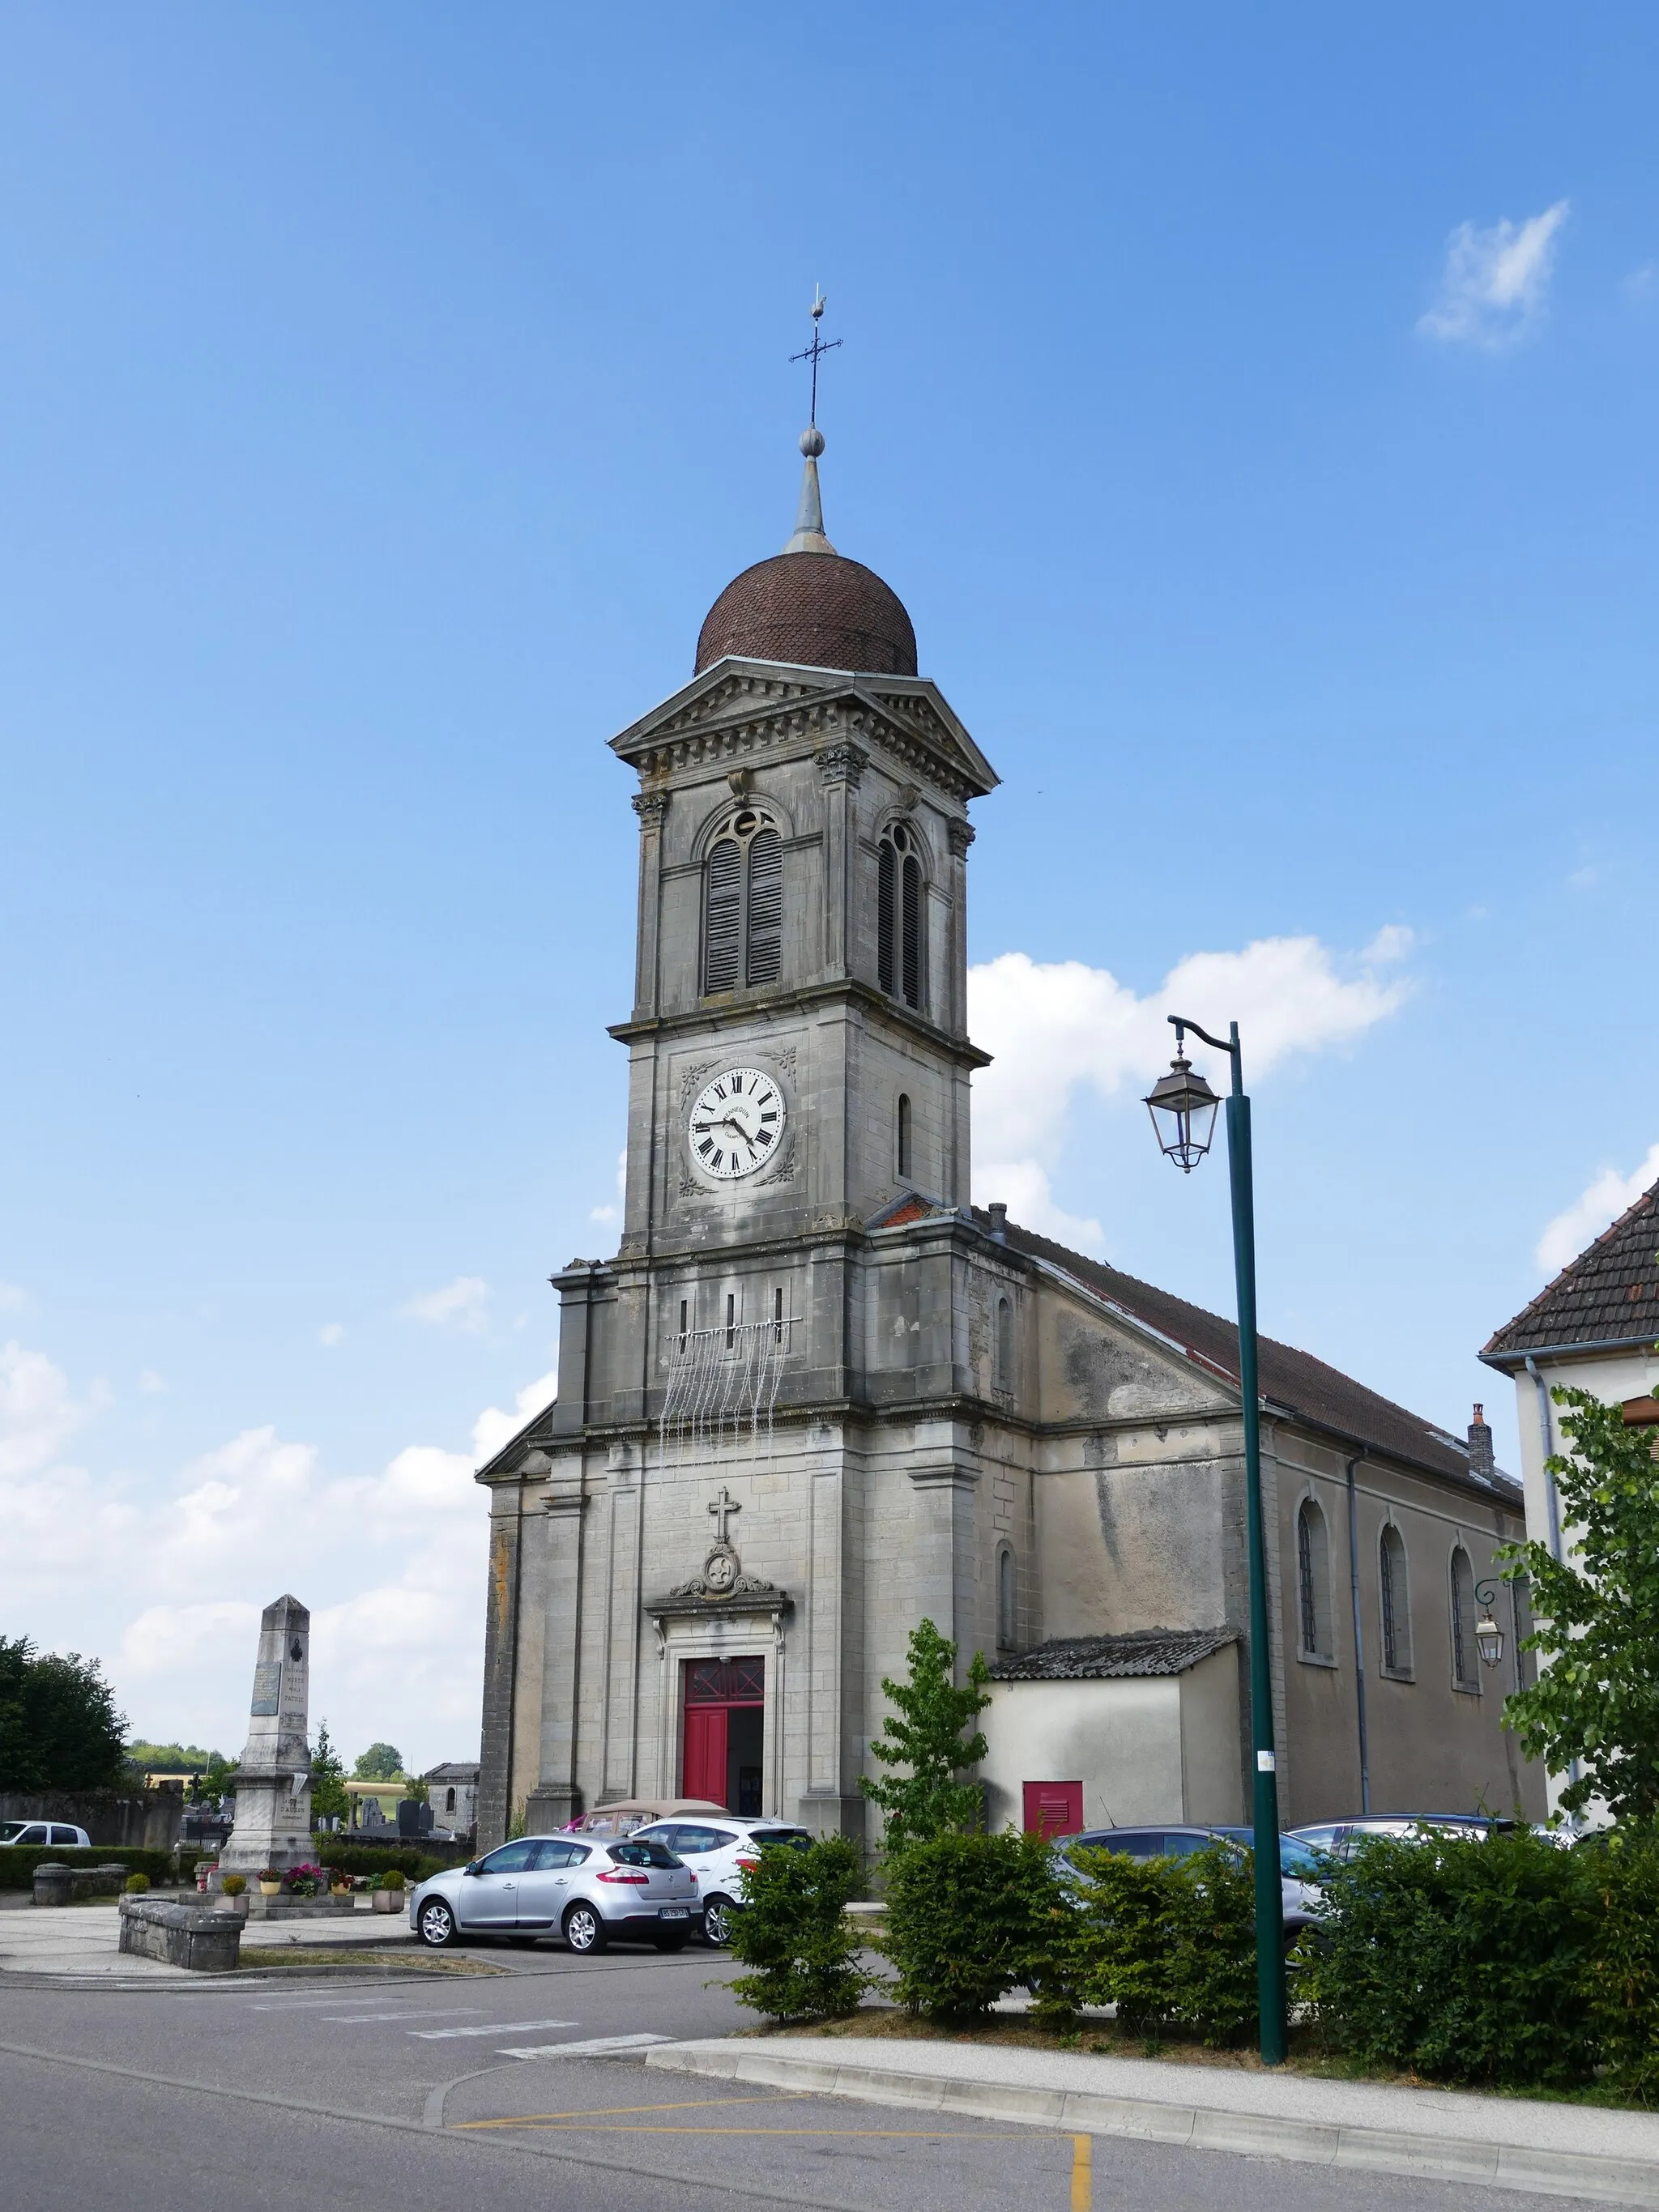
722	1757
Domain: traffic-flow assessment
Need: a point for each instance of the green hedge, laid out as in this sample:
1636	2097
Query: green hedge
18	1862
794	1932
970	1917
380	1858
1169	1941
1477	1959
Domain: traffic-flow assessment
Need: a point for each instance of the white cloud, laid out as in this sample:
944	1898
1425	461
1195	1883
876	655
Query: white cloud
461	1304
330	1333
165	1583
1592	1211
494	1428
12	1298
1491	291
602	1214
38	1412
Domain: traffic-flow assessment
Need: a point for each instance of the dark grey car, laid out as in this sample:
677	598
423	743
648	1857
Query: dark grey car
1302	1903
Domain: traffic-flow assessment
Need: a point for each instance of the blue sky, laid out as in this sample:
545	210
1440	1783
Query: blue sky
1256	413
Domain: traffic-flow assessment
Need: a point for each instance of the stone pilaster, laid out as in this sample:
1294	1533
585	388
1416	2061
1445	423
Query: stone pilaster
495	1778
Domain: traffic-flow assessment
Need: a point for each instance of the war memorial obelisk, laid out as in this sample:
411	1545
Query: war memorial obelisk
273	1783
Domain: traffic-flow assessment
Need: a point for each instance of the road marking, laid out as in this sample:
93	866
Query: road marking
423	2012
1083	2173
598	2048
495	2027
584	2123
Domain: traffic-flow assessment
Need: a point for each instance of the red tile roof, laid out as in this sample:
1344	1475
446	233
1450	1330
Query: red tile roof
1609	1295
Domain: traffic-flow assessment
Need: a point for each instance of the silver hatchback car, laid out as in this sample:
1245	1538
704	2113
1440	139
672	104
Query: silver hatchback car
588	1893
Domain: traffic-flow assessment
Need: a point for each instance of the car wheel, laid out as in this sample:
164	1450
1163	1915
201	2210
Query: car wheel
674	1942
435	1924
584	1929
717	1923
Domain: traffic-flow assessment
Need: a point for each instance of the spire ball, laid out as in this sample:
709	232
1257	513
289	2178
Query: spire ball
812	441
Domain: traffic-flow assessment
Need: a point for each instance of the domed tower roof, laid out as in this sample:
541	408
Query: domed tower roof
808	605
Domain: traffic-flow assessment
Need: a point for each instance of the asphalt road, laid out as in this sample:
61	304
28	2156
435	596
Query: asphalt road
252	2098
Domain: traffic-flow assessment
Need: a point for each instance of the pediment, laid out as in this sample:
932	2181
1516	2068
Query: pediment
739	706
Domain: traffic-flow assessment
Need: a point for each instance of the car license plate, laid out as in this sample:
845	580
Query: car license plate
674	1912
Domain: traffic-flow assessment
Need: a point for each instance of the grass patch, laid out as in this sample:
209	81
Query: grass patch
1103	2038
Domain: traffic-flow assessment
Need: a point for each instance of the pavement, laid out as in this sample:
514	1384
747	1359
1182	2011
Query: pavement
622	2079
1577	2150
83	1941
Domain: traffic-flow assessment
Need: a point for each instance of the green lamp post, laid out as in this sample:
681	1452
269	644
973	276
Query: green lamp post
1183	1109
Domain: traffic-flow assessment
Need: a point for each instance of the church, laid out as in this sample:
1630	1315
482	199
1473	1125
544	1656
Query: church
817	1395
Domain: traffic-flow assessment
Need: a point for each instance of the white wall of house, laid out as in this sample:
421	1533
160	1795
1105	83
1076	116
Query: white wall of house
1160	1748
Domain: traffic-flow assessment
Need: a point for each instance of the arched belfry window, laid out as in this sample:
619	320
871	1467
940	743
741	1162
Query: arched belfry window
898	914
742	904
1313	1582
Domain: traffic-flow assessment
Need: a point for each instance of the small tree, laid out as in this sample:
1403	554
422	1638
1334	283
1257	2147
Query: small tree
417	1790
329	1801
60	1729
382	1762
1597	1611
926	1737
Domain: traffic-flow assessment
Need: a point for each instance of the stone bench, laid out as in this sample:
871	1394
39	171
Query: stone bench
207	1940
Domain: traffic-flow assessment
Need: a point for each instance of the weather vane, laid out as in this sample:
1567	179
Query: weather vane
815	352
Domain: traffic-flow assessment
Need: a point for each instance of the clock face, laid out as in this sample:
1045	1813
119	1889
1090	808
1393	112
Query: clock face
736	1123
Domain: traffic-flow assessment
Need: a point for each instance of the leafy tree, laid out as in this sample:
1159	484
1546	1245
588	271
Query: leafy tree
60	1729
329	1801
217	1783
1597	1614
382	1762
926	1737
419	1790
168	1758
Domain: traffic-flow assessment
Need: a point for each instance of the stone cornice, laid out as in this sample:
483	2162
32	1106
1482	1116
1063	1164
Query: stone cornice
802	998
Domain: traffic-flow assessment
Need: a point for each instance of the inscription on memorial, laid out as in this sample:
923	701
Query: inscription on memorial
267	1689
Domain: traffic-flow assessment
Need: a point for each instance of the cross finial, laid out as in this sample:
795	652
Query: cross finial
815	352
723	1508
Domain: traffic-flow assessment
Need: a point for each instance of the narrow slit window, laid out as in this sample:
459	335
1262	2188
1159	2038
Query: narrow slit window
905	1167
1004	1344
684	1316
1395	1593
730	1321
887	872
1313	1582
777	1315
1466	1672
912	930
1007	1600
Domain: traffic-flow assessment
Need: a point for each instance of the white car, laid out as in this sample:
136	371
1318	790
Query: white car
718	1851
588	1893
57	1834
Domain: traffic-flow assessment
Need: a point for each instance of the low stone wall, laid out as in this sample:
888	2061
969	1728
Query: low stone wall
296	1908
148	1819
56	1884
206	1940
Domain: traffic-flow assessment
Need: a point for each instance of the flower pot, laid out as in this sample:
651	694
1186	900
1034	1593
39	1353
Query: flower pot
271	1888
234	1904
340	1889
388	1900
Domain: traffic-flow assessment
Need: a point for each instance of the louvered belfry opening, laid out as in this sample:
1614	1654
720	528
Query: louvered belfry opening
898	917
742	905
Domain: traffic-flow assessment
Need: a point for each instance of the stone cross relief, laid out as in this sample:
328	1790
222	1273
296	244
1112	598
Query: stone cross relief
723	1508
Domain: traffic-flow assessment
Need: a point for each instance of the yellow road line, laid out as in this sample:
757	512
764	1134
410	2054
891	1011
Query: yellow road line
1083	2173
624	2112
640	2128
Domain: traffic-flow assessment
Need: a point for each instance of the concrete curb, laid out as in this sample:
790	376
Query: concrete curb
1362	2149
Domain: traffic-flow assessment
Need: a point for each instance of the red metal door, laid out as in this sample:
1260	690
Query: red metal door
705	1752
1053	1808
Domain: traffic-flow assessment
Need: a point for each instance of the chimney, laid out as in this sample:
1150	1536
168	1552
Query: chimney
999	1214
1481	1461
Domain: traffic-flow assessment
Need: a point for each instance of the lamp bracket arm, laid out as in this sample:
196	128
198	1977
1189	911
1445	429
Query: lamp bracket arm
1229	1045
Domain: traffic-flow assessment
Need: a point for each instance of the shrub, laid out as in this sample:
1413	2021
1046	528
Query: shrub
1462	1958
355	1858
1621	1978
392	1878
1171	1943
794	1932
18	1862
925	1735
235	1884
136	1884
970	1918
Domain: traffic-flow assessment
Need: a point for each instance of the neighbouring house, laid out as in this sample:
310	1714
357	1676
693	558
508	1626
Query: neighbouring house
1593	1329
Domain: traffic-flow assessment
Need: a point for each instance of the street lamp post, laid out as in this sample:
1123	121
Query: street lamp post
1183	1109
